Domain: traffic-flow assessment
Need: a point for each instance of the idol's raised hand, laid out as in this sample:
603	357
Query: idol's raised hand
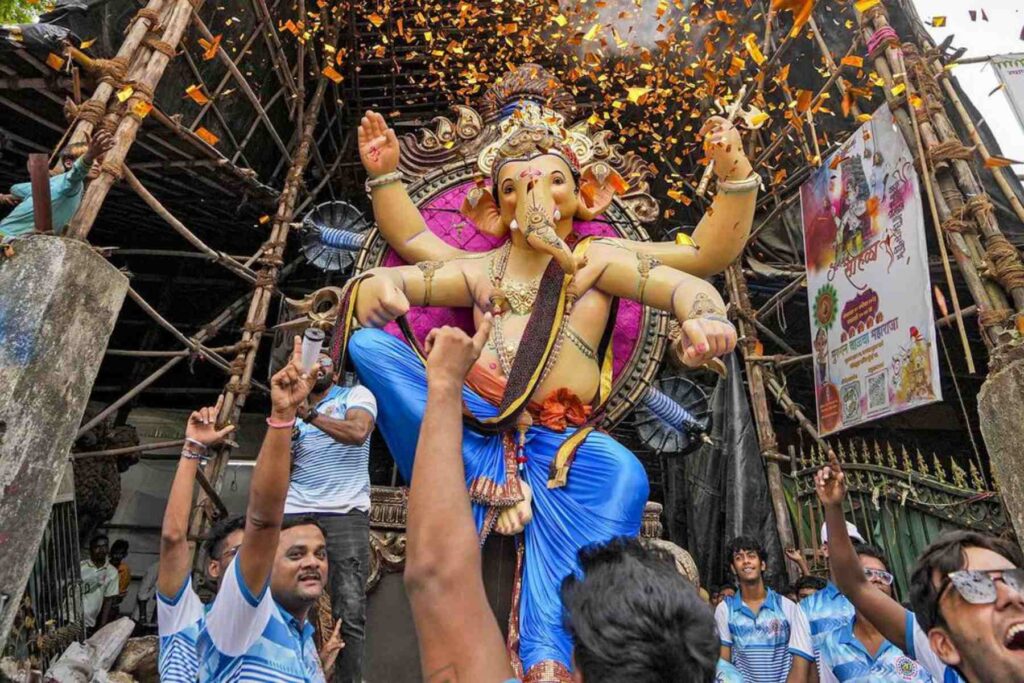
723	145
378	145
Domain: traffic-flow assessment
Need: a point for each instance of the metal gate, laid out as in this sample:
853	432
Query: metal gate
50	615
899	501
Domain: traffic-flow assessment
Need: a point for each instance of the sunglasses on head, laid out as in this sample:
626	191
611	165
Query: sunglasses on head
879	575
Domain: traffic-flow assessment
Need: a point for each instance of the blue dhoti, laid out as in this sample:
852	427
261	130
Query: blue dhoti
604	497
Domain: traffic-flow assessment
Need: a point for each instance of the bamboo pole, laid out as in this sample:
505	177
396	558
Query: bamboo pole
131	44
982	149
738	296
237	387
243	84
217	257
128	127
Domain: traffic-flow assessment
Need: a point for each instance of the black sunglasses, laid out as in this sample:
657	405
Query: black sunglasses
978	586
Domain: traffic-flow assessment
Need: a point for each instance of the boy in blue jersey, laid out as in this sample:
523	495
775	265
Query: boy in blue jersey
828	609
967	590
257	627
857	652
762	633
330	481
179	610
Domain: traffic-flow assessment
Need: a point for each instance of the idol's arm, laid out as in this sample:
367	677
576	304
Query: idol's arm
402	225
398	219
720	237
723	231
390	292
695	303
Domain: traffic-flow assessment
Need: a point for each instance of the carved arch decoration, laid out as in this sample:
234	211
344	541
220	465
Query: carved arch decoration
440	164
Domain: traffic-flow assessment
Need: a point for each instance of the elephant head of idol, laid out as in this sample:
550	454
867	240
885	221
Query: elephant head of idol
538	188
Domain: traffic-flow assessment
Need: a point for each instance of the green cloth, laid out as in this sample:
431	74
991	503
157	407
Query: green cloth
66	192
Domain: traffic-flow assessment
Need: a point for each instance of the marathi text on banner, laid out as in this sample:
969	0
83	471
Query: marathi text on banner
867	281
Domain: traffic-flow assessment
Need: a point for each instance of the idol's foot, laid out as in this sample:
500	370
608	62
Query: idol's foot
513	519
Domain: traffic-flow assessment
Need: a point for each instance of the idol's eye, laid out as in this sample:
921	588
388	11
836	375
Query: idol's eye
507	188
558	179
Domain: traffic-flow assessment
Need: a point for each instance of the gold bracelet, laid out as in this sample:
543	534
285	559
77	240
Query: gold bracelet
428	269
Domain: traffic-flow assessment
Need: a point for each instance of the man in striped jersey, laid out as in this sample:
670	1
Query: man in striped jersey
179	611
330	482
762	633
257	628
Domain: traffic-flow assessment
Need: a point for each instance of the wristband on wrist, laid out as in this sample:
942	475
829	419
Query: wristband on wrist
278	424
311	415
190	452
196	443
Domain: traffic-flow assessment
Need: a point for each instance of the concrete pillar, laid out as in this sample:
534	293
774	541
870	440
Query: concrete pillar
59	301
1001	412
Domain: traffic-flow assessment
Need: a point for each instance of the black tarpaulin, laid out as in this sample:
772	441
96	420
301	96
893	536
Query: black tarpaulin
721	490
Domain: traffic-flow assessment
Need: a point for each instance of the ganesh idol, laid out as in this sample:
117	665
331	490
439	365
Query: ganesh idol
537	465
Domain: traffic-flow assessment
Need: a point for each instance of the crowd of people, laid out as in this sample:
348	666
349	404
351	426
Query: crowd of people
632	615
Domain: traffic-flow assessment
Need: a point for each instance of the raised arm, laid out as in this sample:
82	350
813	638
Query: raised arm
706	333
175	558
458	634
887	615
288	389
398	219
723	231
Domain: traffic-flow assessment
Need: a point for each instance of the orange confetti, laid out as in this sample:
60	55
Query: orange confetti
207	137
210	47
264	219
332	74
142	108
801	10
376	20
853	60
999	162
197	95
635	94
803	100
54	62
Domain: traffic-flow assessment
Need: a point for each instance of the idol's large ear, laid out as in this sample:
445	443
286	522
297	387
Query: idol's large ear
479	206
598	185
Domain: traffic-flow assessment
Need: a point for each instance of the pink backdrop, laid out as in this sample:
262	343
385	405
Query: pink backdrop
444	219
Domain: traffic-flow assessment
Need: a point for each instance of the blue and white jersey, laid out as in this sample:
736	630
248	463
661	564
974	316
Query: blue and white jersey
763	644
328	476
918	648
826	610
179	620
727	673
247	637
844	659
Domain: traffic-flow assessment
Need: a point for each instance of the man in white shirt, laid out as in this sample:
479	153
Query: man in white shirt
99	584
330	482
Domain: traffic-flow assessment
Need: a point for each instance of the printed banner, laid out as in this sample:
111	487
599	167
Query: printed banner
1010	70
869	294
